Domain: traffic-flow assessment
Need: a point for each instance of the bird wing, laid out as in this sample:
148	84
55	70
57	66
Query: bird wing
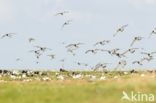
153	53
124	26
133	42
144	53
3	36
88	51
125	52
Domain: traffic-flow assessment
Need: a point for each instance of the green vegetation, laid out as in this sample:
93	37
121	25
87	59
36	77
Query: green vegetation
77	91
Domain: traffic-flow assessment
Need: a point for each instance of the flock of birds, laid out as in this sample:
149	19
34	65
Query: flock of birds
38	51
30	76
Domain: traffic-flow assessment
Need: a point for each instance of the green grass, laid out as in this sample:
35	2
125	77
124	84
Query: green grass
76	91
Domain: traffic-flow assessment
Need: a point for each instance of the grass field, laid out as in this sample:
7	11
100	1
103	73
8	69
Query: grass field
77	90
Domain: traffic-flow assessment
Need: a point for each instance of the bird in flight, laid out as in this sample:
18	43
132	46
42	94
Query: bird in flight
153	32
52	56
121	29
37	53
121	64
131	50
18	59
9	35
94	51
150	55
140	62
81	64
61	13
31	40
100	66
76	45
71	51
138	38
120	55
112	51
66	23
42	48
72	47
104	42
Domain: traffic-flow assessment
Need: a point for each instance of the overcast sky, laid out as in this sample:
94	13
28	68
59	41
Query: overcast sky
92	21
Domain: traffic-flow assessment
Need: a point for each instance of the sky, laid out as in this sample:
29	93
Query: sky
92	21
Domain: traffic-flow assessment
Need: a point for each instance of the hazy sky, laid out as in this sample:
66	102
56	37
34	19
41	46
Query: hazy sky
92	21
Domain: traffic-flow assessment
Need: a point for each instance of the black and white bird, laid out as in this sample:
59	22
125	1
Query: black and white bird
119	55
76	45
136	39
43	49
140	62
93	51
71	51
81	64
100	67
137	62
104	42
66	23
18	59
36	52
61	13
131	50
121	29
153	32
121	64
112	51
150	55
9	35
31	40
52	56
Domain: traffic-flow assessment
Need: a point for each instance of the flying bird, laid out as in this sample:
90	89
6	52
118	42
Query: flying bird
66	23
18	59
140	62
149	54
94	51
61	13
121	64
31	40
152	33
100	67
76	45
42	48
131	50
104	42
71	51
9	35
138	38
36	52
121	29
52	56
112	51
81	64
